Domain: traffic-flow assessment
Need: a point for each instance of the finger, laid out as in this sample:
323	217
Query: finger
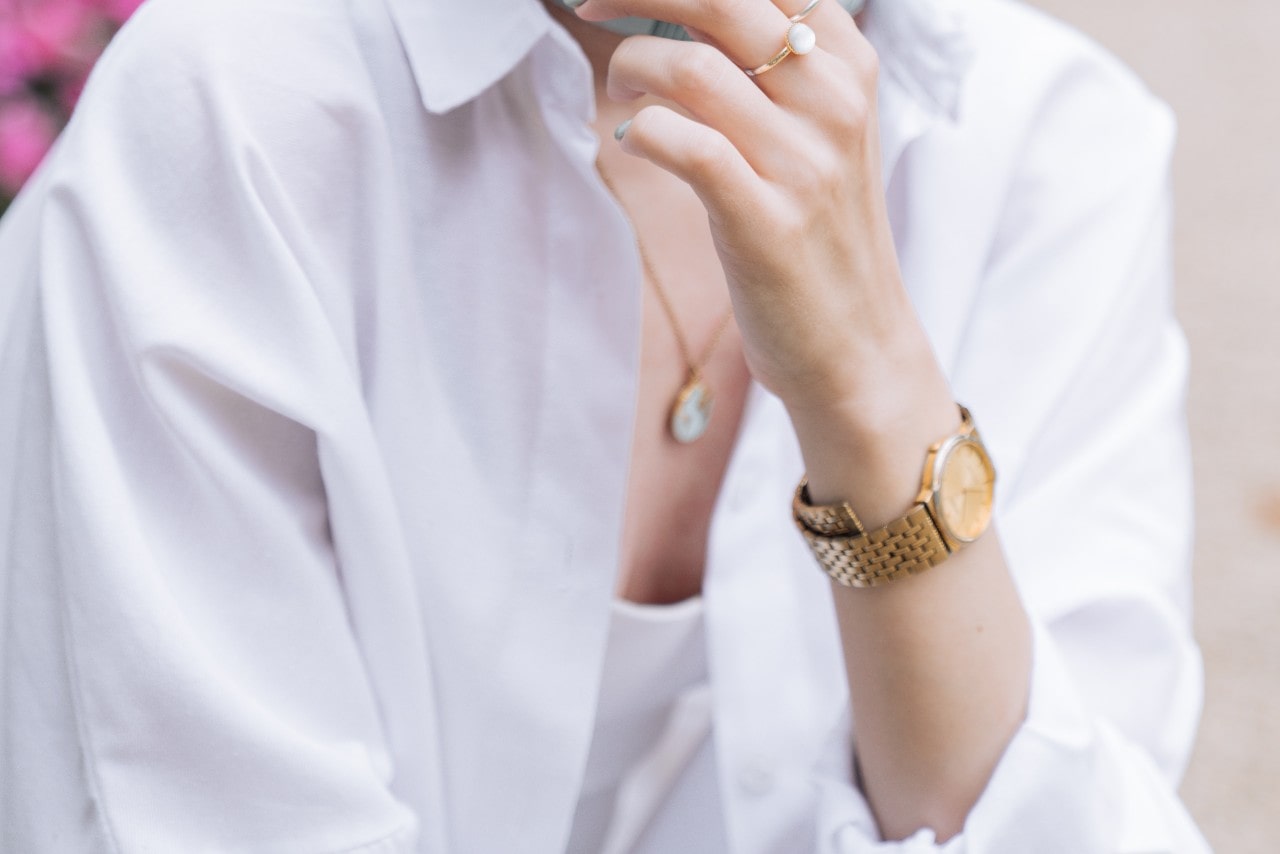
704	82
730	24
838	38
748	31
700	156
837	31
835	86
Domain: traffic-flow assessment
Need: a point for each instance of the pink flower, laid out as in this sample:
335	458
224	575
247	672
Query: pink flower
18	55
26	133
47	48
61	32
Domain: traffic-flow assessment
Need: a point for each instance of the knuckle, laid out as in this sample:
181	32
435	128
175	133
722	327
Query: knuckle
852	117
707	158
817	176
627	64
700	71
642	123
846	108
868	64
706	9
723	10
864	59
789	226
622	54
828	171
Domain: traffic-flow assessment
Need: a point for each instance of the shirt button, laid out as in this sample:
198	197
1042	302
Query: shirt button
755	778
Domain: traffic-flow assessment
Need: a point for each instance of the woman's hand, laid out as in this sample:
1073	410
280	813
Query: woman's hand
787	164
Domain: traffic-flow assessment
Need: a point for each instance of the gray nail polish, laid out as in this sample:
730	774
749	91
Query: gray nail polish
621	130
573	4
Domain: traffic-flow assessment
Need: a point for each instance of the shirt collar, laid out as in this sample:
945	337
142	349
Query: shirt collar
924	50
459	48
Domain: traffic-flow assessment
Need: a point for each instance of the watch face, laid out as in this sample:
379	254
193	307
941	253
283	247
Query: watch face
966	487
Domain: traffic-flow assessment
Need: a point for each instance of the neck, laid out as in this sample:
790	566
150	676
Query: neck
596	42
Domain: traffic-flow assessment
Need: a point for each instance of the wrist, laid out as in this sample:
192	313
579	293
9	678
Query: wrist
868	449
951	510
866	361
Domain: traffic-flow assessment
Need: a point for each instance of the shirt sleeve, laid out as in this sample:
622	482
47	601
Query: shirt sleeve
1075	367
179	667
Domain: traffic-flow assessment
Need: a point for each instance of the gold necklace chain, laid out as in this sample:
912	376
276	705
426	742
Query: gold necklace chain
691	410
695	368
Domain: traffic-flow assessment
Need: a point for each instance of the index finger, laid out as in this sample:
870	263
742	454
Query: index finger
749	32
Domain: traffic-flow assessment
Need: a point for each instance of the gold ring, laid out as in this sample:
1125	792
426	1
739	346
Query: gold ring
800	39
804	13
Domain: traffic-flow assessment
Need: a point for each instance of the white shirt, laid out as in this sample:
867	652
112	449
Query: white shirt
318	353
652	738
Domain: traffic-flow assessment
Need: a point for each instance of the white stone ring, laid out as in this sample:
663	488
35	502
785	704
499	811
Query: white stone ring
800	39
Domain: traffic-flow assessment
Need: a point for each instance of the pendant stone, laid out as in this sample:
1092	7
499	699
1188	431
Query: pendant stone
692	411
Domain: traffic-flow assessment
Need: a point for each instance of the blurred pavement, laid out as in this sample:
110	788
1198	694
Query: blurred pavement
1219	67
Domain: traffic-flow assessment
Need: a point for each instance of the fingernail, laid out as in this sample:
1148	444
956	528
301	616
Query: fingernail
621	130
573	4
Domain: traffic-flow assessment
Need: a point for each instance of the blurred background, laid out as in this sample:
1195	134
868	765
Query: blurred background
1217	66
47	48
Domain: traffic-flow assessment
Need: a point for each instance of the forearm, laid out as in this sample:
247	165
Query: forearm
938	663
788	166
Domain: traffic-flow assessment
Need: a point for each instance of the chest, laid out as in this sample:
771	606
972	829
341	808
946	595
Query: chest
687	330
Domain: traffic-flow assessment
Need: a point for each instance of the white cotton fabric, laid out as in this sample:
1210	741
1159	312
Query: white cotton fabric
318	354
652	734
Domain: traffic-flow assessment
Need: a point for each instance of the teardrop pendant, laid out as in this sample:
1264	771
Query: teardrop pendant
691	412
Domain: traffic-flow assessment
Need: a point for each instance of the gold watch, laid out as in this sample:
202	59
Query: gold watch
953	508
